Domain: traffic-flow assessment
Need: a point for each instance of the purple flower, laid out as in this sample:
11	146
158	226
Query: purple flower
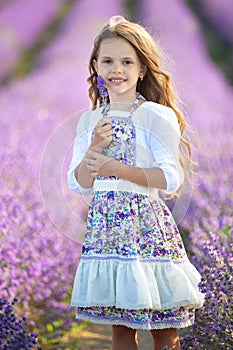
101	85
13	333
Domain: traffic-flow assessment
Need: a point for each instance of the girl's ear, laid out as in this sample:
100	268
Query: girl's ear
143	69
95	65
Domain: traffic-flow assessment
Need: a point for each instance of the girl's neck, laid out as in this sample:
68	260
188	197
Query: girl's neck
123	106
122	98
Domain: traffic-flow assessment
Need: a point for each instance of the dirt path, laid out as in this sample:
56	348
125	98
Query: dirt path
99	337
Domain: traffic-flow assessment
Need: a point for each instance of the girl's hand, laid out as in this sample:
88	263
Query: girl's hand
100	165
102	135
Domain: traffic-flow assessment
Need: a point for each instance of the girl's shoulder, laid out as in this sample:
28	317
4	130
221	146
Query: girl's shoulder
89	118
152	114
90	113
158	109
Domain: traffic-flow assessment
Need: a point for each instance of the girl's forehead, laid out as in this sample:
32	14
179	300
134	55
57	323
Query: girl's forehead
115	47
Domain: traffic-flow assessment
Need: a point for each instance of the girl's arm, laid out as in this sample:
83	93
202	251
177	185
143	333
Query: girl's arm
163	139
149	177
101	165
102	137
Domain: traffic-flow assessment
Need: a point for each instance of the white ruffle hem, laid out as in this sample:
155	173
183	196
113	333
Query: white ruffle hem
159	284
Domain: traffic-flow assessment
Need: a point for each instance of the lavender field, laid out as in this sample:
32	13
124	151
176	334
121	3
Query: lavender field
44	50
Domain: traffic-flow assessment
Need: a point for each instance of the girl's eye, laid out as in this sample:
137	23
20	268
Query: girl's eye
127	62
107	61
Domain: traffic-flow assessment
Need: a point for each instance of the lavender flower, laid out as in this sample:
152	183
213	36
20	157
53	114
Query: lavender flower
13	332
101	85
214	260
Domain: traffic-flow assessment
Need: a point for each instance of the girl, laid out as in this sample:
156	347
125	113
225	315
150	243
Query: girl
134	272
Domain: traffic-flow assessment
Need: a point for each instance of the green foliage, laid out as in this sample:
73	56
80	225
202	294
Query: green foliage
131	8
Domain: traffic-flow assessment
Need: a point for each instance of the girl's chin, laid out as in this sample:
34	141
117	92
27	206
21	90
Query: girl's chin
123	97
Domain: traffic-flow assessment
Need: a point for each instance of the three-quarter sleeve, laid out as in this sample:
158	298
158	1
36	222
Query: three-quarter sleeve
164	144
79	149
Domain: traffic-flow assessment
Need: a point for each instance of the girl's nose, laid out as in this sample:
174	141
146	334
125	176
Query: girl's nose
117	68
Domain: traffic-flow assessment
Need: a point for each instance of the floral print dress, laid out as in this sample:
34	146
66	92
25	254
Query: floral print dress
134	270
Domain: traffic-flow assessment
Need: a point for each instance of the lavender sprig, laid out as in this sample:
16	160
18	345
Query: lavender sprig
13	333
101	85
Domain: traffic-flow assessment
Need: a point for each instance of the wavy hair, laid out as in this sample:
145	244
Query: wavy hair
156	85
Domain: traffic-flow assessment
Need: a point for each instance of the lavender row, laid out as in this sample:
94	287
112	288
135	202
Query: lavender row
38	261
21	23
201	85
209	217
220	15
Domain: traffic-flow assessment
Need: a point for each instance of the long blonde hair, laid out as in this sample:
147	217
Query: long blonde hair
156	85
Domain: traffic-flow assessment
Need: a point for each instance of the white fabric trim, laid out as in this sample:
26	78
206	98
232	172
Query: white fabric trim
124	186
136	285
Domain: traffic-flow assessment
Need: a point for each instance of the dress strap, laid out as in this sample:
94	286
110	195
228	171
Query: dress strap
106	107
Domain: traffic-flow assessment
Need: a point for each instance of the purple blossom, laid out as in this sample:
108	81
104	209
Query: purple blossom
13	334
101	85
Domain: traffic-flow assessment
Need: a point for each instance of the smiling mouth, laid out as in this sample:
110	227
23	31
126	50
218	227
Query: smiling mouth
117	80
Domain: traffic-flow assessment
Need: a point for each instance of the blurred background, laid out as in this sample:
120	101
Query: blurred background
44	53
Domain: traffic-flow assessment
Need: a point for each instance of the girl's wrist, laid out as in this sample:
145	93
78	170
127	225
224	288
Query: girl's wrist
117	168
96	148
112	166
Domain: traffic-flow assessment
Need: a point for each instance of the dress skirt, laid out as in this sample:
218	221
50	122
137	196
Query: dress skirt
134	270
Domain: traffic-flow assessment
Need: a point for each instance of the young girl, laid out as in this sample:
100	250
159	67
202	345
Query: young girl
134	272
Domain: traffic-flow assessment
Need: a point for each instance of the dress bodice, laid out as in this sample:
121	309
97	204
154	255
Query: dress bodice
123	145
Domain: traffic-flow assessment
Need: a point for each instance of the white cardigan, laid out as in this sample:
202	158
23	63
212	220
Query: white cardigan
157	142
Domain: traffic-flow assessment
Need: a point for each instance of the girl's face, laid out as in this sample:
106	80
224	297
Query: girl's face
120	67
